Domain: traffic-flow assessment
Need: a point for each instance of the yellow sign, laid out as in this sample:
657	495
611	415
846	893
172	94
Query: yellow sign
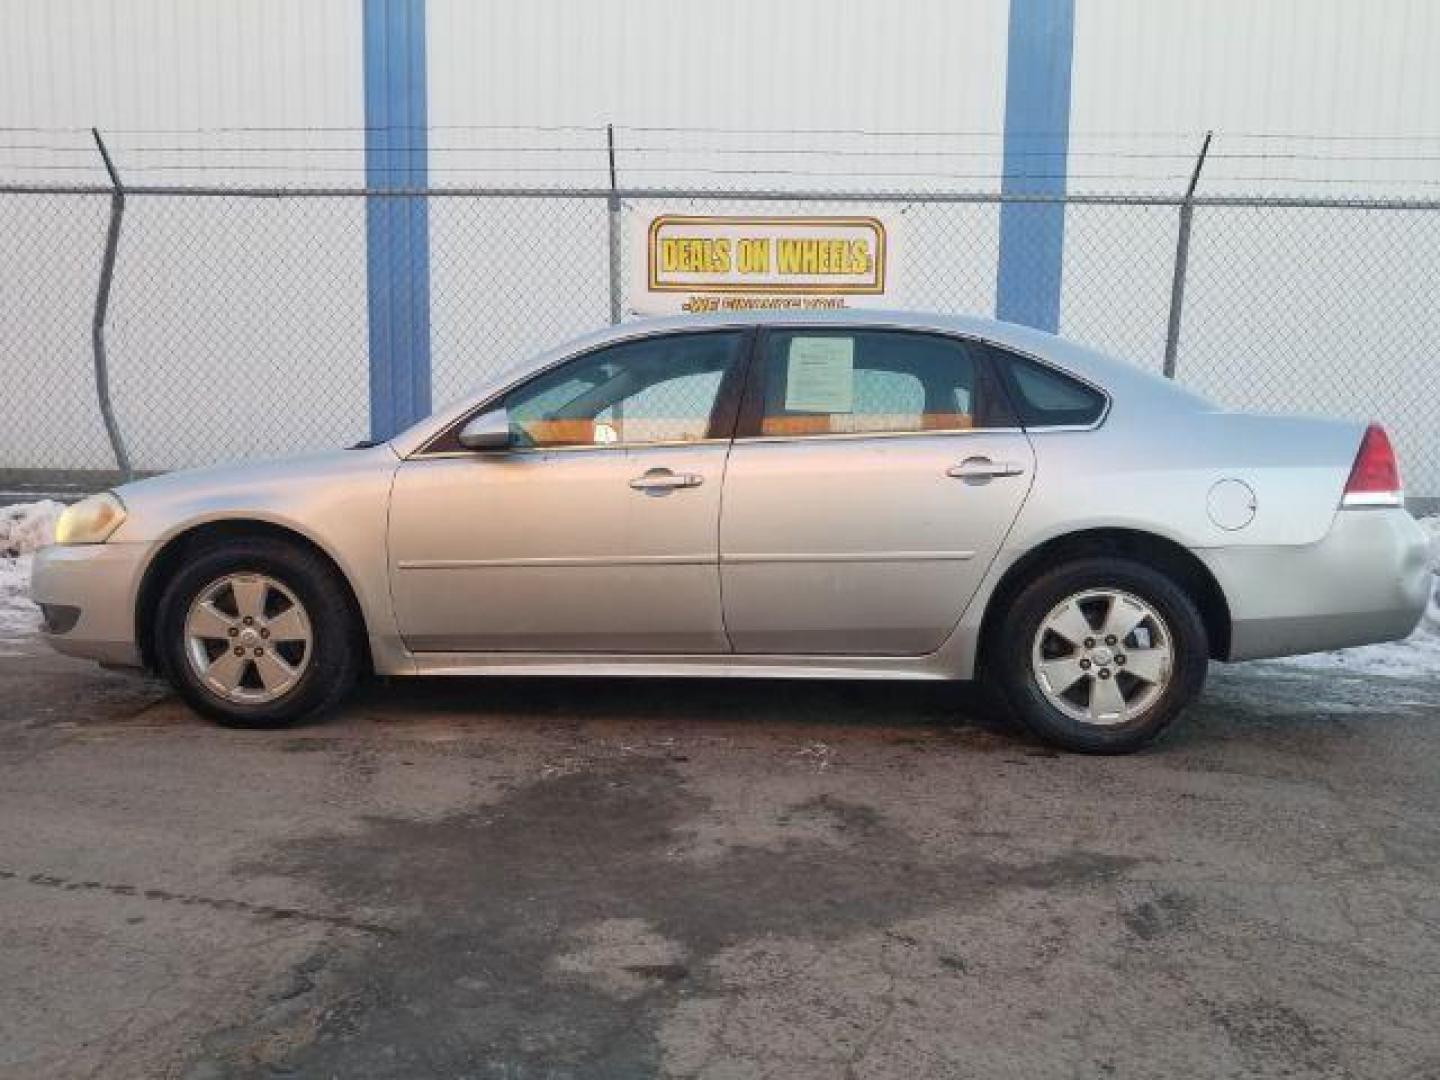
738	263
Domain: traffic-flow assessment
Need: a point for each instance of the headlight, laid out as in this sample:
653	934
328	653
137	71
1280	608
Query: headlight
90	521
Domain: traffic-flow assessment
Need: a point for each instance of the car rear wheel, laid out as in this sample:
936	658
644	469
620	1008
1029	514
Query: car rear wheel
1101	654
258	633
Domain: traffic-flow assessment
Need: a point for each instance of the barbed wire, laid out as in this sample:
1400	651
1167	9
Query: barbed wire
836	152
520	153
1427	136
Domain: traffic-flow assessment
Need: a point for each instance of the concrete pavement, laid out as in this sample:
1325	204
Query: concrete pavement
716	879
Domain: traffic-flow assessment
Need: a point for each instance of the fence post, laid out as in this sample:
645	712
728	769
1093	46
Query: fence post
614	215
1182	261
102	308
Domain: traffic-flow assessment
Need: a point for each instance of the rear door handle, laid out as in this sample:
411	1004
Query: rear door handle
662	480
982	468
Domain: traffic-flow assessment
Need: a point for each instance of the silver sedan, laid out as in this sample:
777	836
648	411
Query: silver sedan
848	495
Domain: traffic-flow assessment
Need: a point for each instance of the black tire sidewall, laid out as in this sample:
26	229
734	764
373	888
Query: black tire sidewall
1029	608
333	661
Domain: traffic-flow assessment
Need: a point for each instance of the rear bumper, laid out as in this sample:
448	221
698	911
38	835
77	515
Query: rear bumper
1366	581
102	581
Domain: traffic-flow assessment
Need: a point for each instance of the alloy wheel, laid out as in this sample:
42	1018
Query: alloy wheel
1103	657
248	638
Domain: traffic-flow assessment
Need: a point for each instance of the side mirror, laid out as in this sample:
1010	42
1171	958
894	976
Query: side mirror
488	431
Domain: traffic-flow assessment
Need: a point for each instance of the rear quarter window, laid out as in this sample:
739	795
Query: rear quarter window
1045	397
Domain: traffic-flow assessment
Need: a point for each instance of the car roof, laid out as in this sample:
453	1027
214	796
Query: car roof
1121	379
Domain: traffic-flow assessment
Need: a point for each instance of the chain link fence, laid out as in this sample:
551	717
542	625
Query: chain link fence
237	323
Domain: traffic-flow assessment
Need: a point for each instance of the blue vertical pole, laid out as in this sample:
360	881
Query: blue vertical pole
397	228
1037	141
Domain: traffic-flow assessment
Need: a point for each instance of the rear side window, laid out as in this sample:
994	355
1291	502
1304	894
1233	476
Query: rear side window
1046	398
825	381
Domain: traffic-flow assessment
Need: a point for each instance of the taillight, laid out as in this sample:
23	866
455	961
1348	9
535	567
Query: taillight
1374	478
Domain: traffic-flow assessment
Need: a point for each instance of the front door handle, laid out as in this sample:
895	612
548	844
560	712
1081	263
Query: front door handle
982	468
663	480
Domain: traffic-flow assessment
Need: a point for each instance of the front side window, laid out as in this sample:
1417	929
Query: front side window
848	382
654	390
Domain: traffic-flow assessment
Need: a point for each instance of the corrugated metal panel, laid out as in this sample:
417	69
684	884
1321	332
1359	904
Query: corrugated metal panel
1351	82
1149	77
1317	97
703	95
215	300
748	63
690	84
144	70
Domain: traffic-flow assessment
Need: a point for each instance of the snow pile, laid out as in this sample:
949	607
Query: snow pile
1432	613
1417	657
23	528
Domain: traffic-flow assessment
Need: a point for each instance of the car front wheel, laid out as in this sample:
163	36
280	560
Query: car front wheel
257	632
1101	654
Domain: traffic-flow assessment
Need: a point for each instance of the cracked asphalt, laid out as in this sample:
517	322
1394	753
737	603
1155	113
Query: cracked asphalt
517	879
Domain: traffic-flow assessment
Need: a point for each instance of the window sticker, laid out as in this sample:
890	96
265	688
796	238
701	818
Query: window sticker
820	376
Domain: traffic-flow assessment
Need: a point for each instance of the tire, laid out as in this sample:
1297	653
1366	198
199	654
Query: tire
1035	635
299	670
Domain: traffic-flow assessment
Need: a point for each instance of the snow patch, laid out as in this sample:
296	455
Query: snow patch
1417	657
24	528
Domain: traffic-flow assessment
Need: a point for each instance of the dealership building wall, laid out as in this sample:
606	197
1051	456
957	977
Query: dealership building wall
400	306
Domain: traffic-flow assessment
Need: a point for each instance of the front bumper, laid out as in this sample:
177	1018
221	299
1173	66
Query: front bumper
102	581
1366	581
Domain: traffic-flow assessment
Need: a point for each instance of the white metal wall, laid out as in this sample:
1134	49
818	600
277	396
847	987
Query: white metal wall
754	64
161	78
1304	68
751	93
708	95
166	73
1323	311
1141	68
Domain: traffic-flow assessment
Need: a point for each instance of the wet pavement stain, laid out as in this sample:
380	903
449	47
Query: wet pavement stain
484	903
1167	913
1276	1040
215	903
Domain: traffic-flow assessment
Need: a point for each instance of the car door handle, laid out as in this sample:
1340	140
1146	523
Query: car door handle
665	480
980	468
